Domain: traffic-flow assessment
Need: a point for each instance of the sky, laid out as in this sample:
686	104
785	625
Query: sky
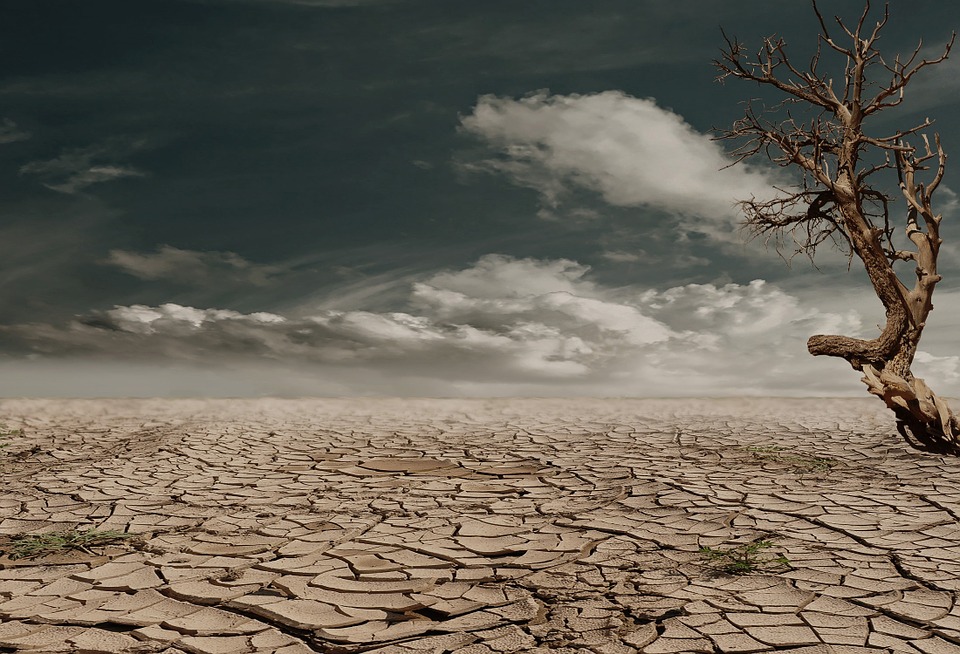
418	198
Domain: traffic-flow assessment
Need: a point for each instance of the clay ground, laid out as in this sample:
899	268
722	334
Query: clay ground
477	526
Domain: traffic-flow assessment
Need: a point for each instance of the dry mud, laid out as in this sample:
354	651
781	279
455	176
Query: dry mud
478	527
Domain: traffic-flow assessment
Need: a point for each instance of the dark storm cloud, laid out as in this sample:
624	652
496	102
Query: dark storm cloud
330	3
176	172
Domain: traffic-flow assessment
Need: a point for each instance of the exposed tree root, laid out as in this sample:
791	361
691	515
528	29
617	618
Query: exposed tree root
926	416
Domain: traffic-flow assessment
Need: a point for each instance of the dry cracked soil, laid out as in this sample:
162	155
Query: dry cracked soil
476	527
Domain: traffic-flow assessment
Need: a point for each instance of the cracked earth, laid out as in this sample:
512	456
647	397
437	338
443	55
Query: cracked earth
477	527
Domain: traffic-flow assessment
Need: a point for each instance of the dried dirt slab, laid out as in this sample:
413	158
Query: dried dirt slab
478	526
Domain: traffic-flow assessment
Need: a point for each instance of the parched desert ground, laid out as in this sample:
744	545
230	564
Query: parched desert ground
477	527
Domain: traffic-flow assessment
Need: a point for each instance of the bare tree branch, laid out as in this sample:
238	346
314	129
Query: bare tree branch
902	73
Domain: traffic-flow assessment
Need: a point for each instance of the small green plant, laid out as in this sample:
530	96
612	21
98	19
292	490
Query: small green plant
744	559
32	546
6	434
800	462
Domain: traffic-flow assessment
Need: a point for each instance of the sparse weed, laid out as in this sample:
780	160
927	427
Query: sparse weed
233	574
744	559
32	546
6	434
800	462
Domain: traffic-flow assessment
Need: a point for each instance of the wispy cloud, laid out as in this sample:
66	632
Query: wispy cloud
76	169
629	150
500	326
192	267
11	133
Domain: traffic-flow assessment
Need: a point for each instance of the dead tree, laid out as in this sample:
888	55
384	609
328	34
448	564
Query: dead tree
855	188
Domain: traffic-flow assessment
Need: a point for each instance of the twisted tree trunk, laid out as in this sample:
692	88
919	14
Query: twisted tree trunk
886	361
847	192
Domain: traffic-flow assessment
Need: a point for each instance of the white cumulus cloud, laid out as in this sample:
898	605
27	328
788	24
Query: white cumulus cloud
498	327
631	151
936	367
